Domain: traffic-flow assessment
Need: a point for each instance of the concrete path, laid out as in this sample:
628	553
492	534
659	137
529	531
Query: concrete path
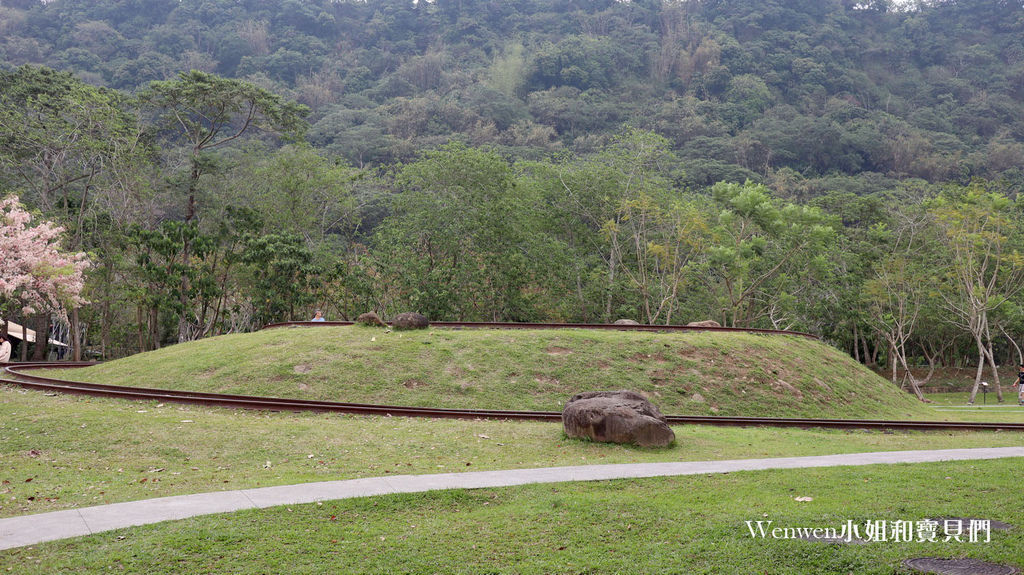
31	529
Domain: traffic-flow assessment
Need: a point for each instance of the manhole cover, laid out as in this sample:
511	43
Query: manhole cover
965	523
959	567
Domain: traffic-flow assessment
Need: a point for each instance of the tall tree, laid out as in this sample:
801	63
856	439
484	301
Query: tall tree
622	195
983	267
451	240
57	135
899	290
70	148
207	111
757	241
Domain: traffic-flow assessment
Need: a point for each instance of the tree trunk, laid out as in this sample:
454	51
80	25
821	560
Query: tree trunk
42	326
76	336
106	312
932	358
611	290
995	371
23	346
183	299
856	350
981	367
140	318
901	351
892	360
105	320
186	251
154	327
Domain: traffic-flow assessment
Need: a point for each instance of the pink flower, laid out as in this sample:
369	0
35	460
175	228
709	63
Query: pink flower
34	271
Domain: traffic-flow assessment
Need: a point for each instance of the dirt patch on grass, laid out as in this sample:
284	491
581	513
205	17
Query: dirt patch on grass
660	377
701	355
414	383
304	387
547	380
302	368
557	350
648	358
207	373
780	386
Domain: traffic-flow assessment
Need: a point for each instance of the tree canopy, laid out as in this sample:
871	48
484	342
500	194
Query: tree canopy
744	89
850	169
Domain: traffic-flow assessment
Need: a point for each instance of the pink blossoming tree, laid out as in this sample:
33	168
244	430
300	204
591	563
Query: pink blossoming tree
35	274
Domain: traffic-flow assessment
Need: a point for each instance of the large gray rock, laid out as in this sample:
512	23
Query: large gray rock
626	322
616	417
410	320
705	323
370	319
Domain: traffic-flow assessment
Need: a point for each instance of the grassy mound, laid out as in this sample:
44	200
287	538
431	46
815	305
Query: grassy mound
683	373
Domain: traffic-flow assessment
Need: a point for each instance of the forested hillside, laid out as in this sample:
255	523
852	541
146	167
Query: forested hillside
741	88
845	168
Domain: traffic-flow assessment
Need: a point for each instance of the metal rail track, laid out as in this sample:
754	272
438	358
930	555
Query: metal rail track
598	326
18	372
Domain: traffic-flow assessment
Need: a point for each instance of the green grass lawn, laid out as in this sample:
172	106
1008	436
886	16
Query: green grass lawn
693	524
61	452
946	406
959	399
683	373
58	452
958	379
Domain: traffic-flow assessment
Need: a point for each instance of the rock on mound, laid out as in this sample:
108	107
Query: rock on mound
705	323
410	320
616	417
371	319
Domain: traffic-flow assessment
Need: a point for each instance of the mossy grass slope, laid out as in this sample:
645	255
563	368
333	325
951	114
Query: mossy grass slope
683	373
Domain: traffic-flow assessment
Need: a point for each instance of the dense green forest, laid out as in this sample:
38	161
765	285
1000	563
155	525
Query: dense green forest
845	168
778	90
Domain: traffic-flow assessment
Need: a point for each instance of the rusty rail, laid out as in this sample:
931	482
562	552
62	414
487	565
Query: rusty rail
21	378
598	326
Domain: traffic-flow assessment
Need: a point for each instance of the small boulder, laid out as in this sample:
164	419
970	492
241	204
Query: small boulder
370	319
616	417
705	323
410	320
626	322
